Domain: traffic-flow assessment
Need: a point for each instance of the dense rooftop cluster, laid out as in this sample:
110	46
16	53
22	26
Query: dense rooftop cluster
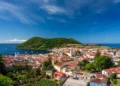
65	62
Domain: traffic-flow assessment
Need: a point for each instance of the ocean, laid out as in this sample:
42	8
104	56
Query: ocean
11	49
111	45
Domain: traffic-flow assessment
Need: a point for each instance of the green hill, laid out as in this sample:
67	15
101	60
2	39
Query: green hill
38	43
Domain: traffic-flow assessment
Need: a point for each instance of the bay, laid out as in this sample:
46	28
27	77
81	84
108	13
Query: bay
6	48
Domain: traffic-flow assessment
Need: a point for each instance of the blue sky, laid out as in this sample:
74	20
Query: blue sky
89	21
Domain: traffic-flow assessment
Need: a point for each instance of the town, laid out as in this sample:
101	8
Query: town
59	43
71	66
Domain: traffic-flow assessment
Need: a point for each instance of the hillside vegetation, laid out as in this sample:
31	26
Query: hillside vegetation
38	43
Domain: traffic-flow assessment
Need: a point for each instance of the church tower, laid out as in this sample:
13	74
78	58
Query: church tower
53	62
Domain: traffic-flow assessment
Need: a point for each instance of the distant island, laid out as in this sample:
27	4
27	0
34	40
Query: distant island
38	43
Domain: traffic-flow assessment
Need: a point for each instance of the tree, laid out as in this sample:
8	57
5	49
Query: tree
38	72
10	74
113	76
20	78
5	81
38	43
27	67
43	72
82	64
47	76
90	67
102	62
46	64
118	62
78	53
50	67
2	66
114	81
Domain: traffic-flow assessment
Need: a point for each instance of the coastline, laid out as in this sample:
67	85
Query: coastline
10	49
113	46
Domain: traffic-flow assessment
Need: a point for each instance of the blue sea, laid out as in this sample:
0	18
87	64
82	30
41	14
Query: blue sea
11	49
111	45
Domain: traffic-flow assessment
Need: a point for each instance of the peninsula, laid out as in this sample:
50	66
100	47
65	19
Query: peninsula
38	43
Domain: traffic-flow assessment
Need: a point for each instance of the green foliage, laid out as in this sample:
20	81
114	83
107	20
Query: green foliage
50	67
112	76
23	74
90	67
5	81
38	72
44	82
102	62
28	84
2	66
47	76
27	76
19	68
43	72
33	73
114	81
46	64
27	68
19	77
37	43
82	64
78	53
119	62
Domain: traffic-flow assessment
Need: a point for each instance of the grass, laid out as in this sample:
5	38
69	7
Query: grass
118	83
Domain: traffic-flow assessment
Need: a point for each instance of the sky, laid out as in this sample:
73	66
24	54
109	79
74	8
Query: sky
88	21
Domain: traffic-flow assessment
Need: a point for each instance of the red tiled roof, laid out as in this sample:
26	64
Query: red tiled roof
113	70
59	74
100	78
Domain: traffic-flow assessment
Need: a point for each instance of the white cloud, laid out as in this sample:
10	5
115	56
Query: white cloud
15	41
51	9
69	8
50	6
14	11
72	8
116	1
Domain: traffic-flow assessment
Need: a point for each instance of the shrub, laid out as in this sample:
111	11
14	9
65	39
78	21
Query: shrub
47	76
5	81
114	81
113	76
44	82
